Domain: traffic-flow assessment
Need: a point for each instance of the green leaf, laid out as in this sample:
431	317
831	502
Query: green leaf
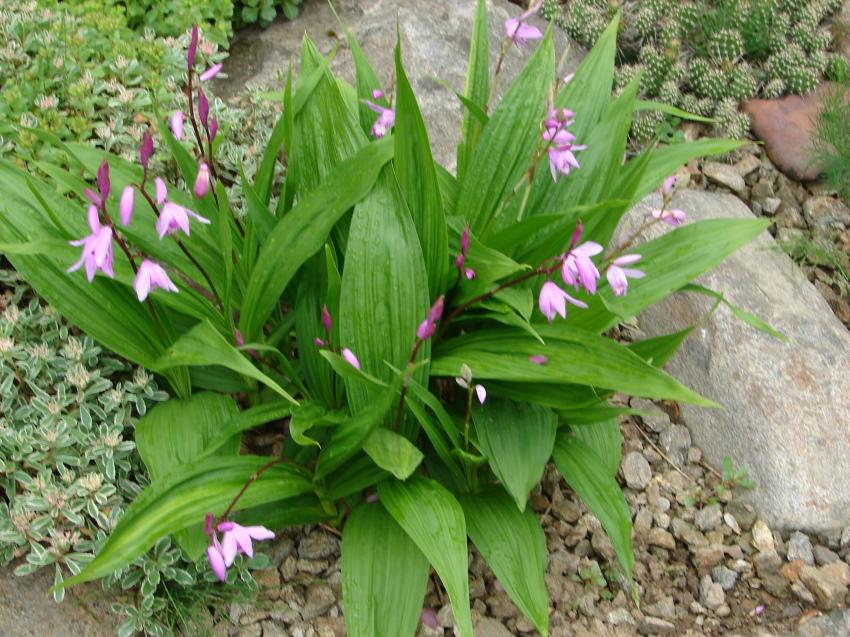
417	177
433	519
384	293
383	582
513	545
750	319
574	356
477	90
265	173
178	431
204	345
585	472
243	420
393	453
605	440
650	105
660	349
348	438
508	142
181	499
517	439
304	230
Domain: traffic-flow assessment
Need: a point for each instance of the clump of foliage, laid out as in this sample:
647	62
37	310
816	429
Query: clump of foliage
77	71
832	138
265	11
69	468
705	57
381	311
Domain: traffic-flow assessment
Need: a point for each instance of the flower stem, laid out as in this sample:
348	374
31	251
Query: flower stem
251	480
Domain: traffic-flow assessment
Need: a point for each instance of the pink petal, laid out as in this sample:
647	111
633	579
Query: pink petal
217	562
229	548
538	359
177	124
627	259
94	219
210	73
259	532
125	206
350	358
481	393
142	283
161	190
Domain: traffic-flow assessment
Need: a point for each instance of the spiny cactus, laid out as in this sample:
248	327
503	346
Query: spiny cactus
706	56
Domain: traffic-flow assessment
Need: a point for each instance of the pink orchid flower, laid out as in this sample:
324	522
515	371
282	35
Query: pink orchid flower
173	217
202	180
97	248
350	358
237	539
125	206
553	300
429	325
385	121
176	124
150	276
618	276
579	269
673	217
465	381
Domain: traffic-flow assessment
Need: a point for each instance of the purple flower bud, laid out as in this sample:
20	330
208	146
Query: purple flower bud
538	359
668	186
103	180
429	618
429	325
318	342
210	73
436	311
240	340
459	262
193	47
350	358
203	107
213	128
202	180
576	235
327	321
469	273
372	497
464	241
177	124
146	149
125	207
208	524
377	94
92	196
425	330
161	190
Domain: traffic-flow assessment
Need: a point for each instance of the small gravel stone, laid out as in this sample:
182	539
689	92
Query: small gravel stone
827	583
769	205
643	521
620	616
664	608
489	627
732	523
749	163
711	594
567	510
802	593
767	565
655	420
446	617
845	538
762	537
709	518
824	555
675	441
254	630
724	175
636	471
705	557
661	538
826	213
799	547
318	545
656	626
320	598
726	577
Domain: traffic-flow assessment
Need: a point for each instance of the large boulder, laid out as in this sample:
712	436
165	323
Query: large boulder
786	406
435	44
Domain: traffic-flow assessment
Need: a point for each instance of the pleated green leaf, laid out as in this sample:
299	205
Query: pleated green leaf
574	356
514	547
393	453
517	439
384	289
477	85
304	230
434	520
508	141
182	498
178	431
605	440
585	472
417	177
204	345
384	575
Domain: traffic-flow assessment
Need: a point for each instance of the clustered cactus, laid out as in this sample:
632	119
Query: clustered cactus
705	57
68	465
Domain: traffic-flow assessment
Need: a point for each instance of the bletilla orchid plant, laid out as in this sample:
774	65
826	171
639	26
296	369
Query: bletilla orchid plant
406	328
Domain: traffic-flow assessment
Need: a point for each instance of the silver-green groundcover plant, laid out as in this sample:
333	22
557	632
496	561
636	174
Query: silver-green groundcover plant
408	327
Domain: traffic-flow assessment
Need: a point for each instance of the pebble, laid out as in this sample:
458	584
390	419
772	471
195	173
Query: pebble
661	538
656	626
636	471
620	616
711	594
675	441
318	545
726	577
826	213
827	583
655	420
320	598
770	205
709	518
488	627
767	565
732	523
799	547
705	557
664	608
643	521
724	175
762	537
823	555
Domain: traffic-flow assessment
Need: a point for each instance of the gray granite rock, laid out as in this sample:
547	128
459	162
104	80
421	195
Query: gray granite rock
786	406
636	471
435	45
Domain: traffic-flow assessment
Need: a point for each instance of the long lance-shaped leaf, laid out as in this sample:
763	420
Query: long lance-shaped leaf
204	345
304	230
508	141
433	519
513	545
181	499
574	356
383	583
477	85
417	177
598	489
